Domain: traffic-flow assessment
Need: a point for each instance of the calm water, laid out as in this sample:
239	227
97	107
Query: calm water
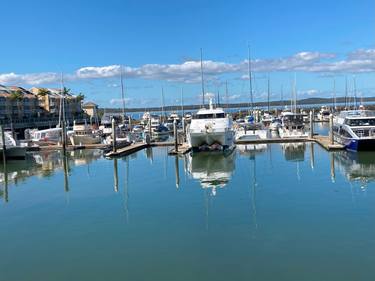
279	212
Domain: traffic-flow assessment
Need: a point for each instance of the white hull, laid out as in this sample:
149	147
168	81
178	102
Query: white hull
196	140
85	139
285	133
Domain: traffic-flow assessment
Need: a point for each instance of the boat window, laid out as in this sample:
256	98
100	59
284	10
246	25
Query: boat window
360	122
210	116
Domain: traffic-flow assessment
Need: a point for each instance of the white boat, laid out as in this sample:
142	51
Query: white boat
267	119
323	114
210	126
12	149
355	129
47	135
83	134
250	131
292	126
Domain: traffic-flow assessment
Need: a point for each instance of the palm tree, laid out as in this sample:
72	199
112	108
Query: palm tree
80	97
43	92
16	96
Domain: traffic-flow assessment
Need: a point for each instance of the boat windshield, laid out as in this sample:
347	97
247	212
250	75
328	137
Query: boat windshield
209	116
360	122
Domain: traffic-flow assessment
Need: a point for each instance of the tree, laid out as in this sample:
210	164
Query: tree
80	97
66	91
16	96
43	92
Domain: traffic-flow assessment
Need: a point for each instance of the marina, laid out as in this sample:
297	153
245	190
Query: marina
187	140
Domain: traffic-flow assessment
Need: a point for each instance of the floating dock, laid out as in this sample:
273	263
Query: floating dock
127	150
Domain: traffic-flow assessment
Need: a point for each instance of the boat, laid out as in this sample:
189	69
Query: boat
267	118
210	127
323	114
83	134
250	131
12	149
161	130
47	135
355	129
292	125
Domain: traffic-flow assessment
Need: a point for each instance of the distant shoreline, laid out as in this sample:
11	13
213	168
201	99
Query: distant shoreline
308	101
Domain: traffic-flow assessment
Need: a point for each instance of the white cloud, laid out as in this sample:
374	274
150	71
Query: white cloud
359	61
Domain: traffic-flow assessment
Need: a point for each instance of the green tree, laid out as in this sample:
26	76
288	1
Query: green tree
80	97
43	92
16	96
66	91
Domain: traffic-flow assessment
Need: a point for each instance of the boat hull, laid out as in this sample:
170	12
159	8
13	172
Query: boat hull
225	139
81	140
14	153
359	144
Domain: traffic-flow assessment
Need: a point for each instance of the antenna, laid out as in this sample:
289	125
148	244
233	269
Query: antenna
202	80
250	78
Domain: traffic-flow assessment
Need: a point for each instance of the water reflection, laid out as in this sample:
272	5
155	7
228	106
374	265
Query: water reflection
294	152
212	169
44	165
358	167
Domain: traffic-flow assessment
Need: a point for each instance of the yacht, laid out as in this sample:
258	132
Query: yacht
355	129
323	114
210	127
13	150
292	125
83	134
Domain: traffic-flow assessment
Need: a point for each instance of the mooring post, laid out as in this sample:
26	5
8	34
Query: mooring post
3	144
311	124
113	135
331	129
175	135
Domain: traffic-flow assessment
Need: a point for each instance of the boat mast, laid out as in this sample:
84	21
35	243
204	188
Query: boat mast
182	102
295	92
355	92
202	80
250	78
218	97
282	96
346	92
268	94
162	105
334	94
226	94
122	94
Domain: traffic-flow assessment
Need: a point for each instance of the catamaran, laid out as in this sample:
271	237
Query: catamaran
210	126
355	129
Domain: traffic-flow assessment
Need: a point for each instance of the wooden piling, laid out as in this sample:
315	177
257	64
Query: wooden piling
114	147
311	124
3	142
175	135
331	139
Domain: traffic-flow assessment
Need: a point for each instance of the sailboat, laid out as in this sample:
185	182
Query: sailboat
250	130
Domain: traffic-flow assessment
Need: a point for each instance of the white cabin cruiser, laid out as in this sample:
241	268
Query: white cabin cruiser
83	134
292	126
210	127
323	114
355	129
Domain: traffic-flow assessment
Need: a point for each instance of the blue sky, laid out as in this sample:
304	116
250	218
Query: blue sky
158	44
